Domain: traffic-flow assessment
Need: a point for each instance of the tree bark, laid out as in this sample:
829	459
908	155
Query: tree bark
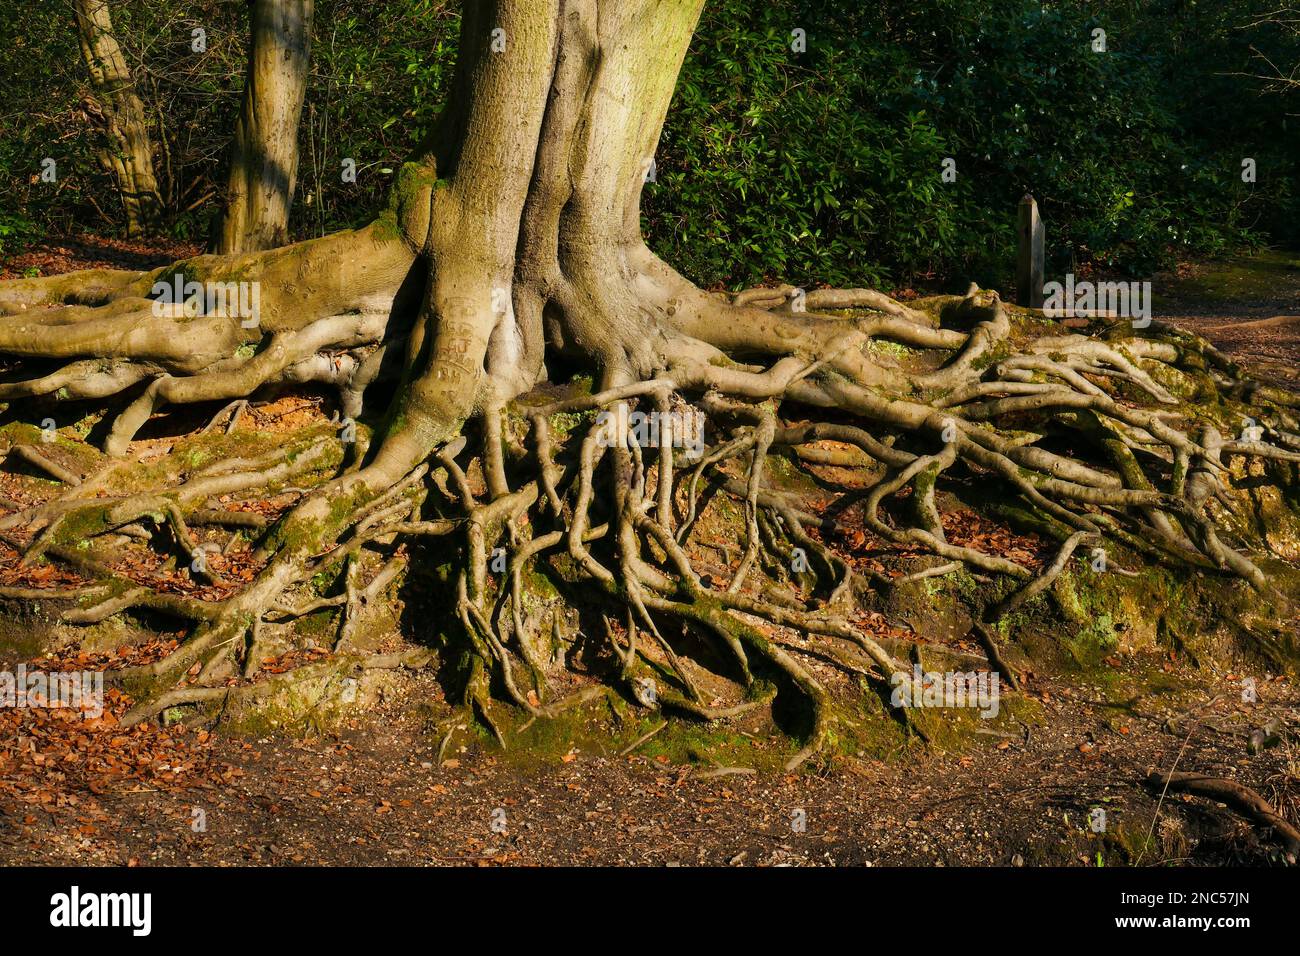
264	157
118	111
535	242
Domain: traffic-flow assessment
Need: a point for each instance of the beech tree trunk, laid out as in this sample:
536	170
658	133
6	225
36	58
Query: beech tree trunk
535	241
118	112
264	157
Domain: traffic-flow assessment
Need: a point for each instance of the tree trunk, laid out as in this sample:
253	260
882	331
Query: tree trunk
535	242
264	157
117	110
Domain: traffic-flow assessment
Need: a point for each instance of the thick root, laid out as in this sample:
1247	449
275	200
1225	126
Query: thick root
618	507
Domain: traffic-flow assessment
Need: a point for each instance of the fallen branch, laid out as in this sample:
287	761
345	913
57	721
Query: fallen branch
1244	800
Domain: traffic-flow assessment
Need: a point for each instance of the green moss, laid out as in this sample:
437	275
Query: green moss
385	227
27	636
314	625
963	729
326	576
708	745
609	725
890	347
538	587
81	525
998	353
783	474
290	535
562	423
305	702
412	179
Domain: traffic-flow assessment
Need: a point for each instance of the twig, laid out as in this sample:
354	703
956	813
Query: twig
640	740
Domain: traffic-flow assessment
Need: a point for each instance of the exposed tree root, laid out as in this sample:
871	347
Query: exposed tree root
512	249
1242	799
619	506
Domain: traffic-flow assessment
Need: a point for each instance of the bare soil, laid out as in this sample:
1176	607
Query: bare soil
375	793
1248	307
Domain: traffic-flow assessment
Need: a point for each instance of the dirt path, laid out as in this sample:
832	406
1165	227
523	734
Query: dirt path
73	253
376	794
1248	307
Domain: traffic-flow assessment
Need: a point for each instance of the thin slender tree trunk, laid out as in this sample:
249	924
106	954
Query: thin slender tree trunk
117	110
264	159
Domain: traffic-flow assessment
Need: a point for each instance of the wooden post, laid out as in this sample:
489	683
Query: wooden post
1029	259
